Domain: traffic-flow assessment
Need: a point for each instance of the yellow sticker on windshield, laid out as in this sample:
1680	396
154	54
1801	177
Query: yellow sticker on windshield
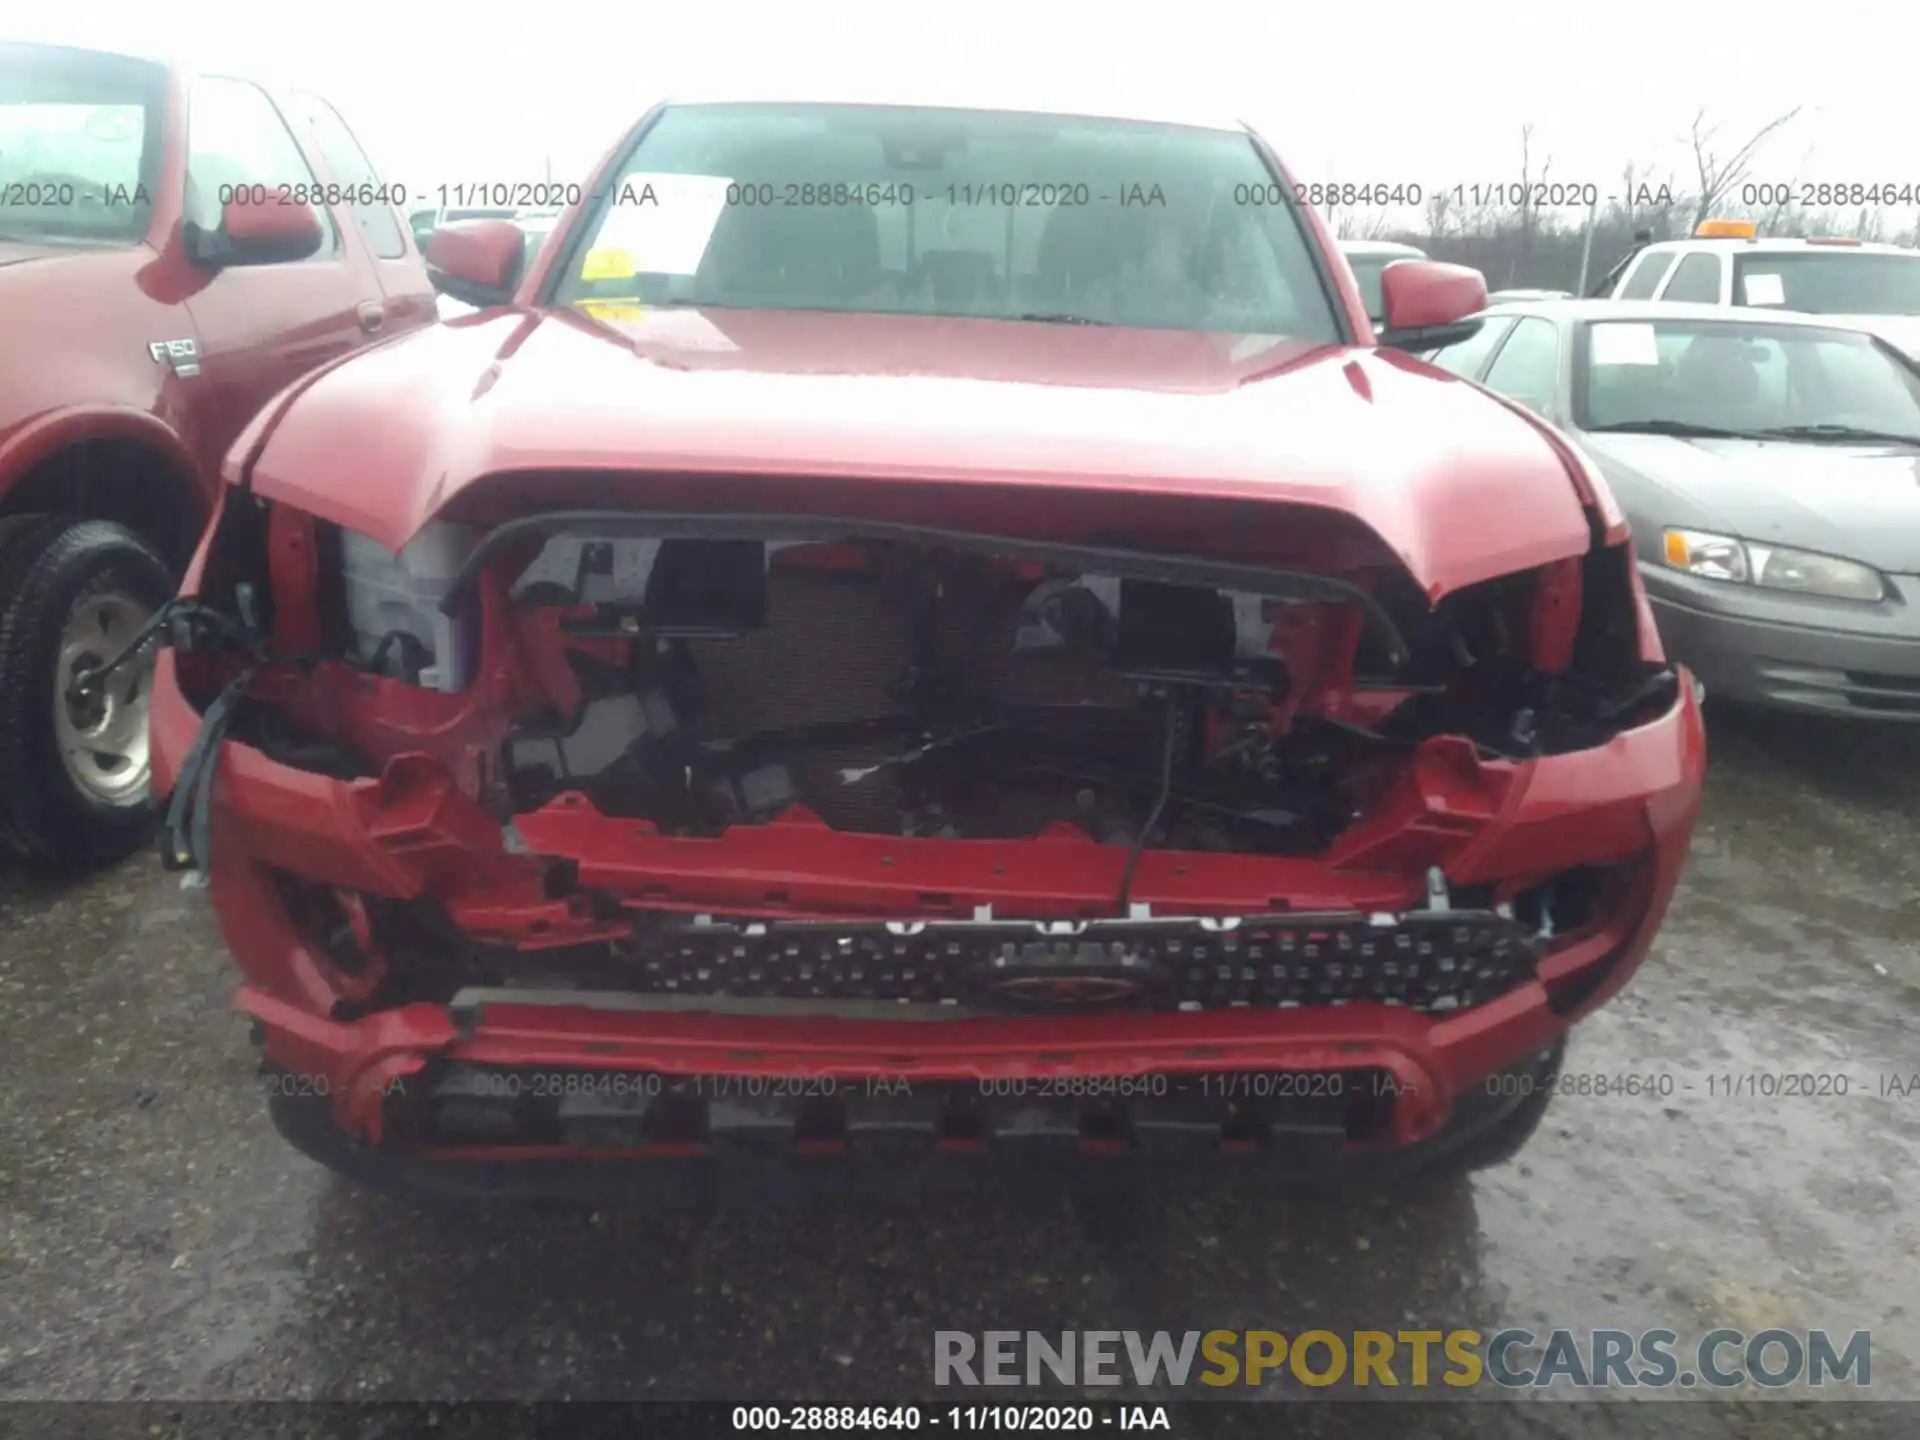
608	265
612	309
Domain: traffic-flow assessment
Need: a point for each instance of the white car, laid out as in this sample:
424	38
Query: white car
1516	297
423	220
1852	282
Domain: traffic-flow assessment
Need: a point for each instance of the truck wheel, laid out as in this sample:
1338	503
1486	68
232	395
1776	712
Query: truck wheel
75	775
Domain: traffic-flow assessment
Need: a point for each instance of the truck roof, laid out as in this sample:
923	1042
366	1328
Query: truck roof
1375	249
1667	310
1779	245
1054	99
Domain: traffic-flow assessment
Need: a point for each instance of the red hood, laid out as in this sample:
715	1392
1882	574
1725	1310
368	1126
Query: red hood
14	251
1461	487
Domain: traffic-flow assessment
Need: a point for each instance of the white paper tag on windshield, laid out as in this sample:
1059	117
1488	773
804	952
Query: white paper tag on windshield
1763	289
663	222
1624	345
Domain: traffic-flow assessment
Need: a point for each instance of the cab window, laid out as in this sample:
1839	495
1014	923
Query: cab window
1697	280
1645	277
367	198
237	140
1468	357
1527	368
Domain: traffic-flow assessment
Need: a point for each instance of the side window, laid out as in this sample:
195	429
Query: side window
1697	280
1467	356
1645	277
236	137
366	197
1527	368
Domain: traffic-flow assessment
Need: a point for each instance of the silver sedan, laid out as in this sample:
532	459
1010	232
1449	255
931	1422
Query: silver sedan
1770	467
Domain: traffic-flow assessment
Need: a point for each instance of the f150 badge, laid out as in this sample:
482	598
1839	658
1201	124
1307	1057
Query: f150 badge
183	356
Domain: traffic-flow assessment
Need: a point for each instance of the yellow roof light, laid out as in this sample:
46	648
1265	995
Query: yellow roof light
1725	230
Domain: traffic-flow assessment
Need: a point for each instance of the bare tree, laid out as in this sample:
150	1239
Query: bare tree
1439	214
1529	212
1781	209
1373	225
1718	177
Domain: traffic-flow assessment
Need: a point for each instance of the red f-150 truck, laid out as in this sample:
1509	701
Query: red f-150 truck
174	249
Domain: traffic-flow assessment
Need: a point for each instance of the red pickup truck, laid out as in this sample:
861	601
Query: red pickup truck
161	281
892	682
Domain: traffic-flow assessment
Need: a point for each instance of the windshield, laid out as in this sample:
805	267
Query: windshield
953	213
79	145
1833	282
1744	378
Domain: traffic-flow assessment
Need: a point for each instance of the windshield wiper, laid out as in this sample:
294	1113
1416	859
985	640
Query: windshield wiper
1841	433
1046	317
1682	429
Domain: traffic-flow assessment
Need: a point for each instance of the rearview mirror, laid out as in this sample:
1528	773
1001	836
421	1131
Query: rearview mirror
270	233
476	262
1427	304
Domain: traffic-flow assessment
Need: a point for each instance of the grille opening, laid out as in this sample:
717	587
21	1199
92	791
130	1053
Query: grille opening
1872	680
960	1128
1102	1133
1279	1113
821	1125
1370	1106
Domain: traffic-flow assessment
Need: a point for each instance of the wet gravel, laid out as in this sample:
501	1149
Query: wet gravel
158	1240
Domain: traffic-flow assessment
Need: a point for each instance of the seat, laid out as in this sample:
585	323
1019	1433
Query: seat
1084	254
797	255
961	279
1717	374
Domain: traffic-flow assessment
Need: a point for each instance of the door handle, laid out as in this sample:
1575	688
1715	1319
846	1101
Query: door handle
372	315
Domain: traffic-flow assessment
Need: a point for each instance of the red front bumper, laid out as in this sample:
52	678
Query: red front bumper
1632	799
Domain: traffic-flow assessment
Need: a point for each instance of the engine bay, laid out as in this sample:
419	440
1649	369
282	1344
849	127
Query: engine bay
905	689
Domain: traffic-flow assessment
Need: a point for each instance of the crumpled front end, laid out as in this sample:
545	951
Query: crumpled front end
608	834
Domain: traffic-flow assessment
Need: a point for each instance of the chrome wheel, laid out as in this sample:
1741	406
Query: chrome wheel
103	734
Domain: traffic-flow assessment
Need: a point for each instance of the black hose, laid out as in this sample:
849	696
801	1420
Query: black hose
168	617
186	836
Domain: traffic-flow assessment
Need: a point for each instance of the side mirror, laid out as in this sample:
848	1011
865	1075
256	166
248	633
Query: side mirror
1426	303
476	262
265	234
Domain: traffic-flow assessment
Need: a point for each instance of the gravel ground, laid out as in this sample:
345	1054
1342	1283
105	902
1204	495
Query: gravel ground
159	1241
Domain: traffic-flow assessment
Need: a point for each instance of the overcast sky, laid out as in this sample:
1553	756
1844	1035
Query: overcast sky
1433	93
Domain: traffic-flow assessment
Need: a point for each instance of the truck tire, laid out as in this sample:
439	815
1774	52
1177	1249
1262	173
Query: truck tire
75	779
